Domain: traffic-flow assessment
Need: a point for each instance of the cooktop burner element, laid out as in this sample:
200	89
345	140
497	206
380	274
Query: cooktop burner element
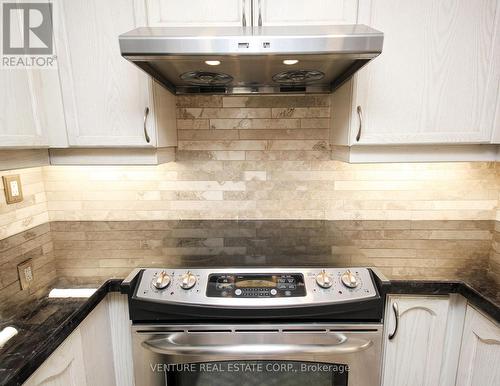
345	293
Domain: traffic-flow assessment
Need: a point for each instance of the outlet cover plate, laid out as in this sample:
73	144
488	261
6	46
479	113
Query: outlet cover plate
25	270
13	188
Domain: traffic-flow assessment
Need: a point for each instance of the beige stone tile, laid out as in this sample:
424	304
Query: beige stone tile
256	124
186	155
199	101
322	134
301	112
254	176
315	123
195	113
277	101
192	124
207	135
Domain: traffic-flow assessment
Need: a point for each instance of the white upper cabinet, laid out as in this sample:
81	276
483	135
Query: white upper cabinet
480	351
20	124
414	356
300	12
436	80
105	97
175	13
30	103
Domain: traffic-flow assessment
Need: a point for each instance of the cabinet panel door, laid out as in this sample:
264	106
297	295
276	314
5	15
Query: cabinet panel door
415	355
174	13
437	78
299	12
64	367
121	338
105	95
480	351
97	347
20	124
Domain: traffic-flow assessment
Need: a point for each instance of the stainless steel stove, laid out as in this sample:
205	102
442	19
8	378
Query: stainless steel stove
255	326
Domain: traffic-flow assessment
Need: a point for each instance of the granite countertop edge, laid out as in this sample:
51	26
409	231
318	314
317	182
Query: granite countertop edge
411	287
474	296
44	349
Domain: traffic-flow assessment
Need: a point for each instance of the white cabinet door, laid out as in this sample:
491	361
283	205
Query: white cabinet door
415	355
121	338
299	12
437	78
97	347
20	125
175	13
64	367
480	352
105	96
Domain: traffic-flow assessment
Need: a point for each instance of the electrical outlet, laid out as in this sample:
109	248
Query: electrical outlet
25	270
13	188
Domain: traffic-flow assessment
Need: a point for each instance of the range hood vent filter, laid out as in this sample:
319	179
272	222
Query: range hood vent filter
298	77
205	78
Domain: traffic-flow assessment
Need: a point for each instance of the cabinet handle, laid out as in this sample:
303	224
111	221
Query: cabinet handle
244	15
395	309
360	116
260	13
146	135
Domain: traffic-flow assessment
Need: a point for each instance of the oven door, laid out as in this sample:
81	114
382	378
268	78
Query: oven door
248	355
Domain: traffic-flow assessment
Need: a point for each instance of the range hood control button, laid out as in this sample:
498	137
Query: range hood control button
188	280
161	281
324	280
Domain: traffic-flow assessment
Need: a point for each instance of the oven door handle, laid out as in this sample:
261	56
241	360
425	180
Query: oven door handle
189	345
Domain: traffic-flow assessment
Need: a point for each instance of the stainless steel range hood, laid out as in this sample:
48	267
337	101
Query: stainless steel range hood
254	60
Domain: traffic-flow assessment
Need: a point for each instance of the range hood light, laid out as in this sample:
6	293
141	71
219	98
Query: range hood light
212	62
290	62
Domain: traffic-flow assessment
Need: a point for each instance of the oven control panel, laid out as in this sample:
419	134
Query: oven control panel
259	287
252	285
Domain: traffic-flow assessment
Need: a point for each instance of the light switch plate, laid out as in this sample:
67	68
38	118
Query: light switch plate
25	270
13	188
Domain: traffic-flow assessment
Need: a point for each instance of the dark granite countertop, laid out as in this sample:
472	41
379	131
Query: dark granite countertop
42	327
50	321
483	294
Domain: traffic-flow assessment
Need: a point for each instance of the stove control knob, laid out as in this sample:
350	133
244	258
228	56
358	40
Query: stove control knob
188	280
161	281
349	279
324	280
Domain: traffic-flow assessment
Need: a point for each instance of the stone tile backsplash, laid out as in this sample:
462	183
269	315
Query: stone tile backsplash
258	160
401	249
35	244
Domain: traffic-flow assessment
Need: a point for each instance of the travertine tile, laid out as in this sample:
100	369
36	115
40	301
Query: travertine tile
199	101
301	112
298	134
277	101
207	135
256	124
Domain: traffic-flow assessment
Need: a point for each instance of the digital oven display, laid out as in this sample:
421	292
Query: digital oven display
261	282
256	285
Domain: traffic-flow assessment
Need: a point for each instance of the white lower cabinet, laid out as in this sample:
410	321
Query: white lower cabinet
97	347
480	352
65	367
97	353
421	351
